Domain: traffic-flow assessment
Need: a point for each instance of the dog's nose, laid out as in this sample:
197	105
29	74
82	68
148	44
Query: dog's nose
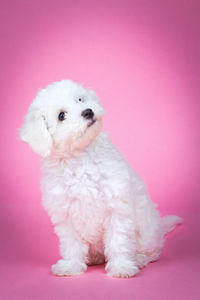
87	114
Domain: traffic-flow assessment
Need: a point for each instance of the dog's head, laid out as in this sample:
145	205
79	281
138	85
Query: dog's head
63	118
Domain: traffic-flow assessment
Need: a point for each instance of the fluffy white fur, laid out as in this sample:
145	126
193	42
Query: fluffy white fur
98	204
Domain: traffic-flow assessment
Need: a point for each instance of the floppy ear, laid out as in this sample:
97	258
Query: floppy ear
35	132
97	100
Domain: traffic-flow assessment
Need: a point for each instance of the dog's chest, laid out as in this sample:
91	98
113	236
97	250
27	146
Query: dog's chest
87	217
84	190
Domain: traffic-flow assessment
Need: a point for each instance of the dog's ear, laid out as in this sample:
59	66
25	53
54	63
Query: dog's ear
96	99
93	94
35	131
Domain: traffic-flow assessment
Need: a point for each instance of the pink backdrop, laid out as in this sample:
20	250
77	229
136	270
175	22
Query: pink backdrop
143	60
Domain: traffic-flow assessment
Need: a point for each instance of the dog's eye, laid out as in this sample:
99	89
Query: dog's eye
80	100
61	116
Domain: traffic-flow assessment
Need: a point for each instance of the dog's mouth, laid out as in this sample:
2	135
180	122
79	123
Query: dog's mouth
91	122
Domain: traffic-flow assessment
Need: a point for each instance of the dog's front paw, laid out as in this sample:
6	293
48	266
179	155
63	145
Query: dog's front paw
121	268
68	268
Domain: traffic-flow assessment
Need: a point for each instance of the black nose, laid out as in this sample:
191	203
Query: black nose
87	114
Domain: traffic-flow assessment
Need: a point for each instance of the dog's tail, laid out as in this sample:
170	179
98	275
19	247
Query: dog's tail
168	223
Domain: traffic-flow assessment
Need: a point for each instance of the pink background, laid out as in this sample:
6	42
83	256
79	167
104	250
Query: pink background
143	60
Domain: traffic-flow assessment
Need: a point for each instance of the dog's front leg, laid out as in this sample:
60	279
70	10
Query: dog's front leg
120	245
73	251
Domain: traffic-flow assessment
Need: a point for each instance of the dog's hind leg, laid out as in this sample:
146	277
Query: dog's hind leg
149	233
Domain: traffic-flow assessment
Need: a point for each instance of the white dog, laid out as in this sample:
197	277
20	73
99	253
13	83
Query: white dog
97	203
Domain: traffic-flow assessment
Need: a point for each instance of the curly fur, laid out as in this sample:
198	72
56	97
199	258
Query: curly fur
99	206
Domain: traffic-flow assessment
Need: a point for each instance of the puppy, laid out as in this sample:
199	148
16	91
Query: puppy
99	206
